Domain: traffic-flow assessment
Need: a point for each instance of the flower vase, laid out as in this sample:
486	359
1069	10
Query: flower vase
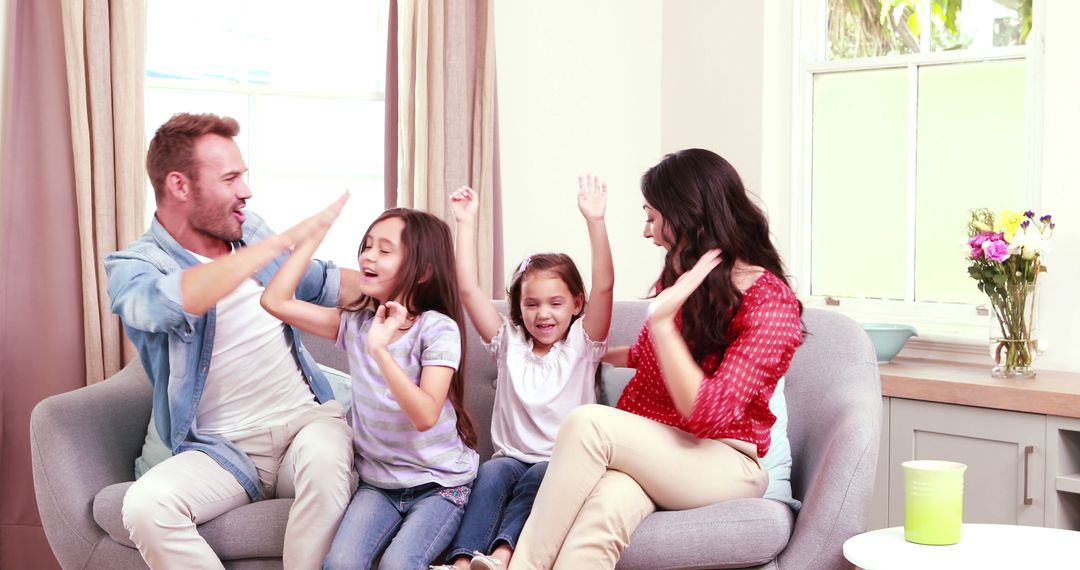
1014	340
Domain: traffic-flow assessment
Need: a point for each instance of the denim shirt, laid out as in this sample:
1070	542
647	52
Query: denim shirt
175	346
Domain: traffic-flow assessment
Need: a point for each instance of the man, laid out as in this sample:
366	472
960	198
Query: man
246	412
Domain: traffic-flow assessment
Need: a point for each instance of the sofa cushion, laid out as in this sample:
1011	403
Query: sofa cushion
255	530
611	382
154	450
732	534
778	460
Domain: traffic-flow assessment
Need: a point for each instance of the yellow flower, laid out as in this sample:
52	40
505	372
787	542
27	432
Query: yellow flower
1007	222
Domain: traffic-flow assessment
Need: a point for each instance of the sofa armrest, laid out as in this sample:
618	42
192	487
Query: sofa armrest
81	442
833	393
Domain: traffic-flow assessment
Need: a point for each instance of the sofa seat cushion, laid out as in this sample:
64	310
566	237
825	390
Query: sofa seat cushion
733	534
256	530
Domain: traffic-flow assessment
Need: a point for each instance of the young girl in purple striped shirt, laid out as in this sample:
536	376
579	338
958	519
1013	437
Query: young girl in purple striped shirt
412	439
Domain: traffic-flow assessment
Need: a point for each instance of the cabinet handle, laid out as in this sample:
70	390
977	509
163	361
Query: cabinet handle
1028	452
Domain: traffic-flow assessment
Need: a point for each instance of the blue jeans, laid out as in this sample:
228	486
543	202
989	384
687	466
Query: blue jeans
502	498
409	527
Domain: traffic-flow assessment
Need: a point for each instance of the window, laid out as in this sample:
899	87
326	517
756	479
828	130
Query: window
305	81
914	112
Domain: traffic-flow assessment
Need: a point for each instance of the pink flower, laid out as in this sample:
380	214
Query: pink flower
976	243
980	237
996	250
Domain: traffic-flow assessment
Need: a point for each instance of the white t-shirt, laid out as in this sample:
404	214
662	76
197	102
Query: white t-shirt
533	394
254	379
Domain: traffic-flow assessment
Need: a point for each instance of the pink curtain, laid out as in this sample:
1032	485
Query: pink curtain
41	332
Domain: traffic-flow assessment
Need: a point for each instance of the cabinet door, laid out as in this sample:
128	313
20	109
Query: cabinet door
1005	454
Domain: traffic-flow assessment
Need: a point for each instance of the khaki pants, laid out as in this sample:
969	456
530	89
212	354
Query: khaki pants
309	458
609	470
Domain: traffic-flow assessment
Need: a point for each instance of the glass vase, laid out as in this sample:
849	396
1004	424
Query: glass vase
1014	333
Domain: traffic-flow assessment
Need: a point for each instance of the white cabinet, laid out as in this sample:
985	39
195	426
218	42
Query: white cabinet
1004	453
1006	480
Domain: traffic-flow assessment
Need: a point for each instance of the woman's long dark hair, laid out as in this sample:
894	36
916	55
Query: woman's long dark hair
427	281
704	205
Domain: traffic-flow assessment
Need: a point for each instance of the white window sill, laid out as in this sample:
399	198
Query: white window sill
950	333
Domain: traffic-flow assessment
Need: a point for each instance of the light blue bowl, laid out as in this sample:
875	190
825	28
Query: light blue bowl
888	338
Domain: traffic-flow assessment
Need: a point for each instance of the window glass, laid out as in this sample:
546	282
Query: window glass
305	81
860	184
980	24
873	28
308	151
971	150
317	44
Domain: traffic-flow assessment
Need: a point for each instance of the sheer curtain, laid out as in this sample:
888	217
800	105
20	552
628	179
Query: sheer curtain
104	47
70	157
441	104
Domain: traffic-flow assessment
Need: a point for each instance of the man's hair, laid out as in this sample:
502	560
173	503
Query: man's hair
171	149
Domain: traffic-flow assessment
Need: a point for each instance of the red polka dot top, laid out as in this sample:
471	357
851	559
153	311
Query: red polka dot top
733	401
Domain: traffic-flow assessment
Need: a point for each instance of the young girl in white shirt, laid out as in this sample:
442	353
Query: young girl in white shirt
547	357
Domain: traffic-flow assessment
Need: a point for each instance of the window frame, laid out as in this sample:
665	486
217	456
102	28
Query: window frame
947	331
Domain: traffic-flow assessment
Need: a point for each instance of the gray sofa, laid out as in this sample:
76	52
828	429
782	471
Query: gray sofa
84	444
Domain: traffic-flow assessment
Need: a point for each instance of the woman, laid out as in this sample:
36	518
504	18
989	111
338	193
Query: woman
691	427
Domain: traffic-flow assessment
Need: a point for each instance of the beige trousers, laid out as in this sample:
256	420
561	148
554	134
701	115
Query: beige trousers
309	459
609	470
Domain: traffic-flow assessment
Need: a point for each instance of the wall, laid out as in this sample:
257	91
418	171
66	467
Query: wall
1060	325
625	83
709	98
579	91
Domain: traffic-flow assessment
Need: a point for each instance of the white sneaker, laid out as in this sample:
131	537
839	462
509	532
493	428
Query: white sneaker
482	561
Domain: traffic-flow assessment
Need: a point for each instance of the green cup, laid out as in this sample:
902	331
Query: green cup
933	501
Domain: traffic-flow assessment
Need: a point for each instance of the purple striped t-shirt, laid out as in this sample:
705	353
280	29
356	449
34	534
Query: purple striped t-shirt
389	451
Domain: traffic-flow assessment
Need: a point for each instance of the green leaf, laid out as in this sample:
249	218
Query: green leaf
952	8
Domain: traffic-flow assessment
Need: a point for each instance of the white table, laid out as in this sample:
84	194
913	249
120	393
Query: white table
981	546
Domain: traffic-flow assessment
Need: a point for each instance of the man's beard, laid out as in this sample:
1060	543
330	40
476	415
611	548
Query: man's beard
213	221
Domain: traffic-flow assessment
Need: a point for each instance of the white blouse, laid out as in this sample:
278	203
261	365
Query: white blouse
533	394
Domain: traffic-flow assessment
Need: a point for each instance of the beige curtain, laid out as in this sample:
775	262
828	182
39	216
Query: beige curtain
104	48
446	115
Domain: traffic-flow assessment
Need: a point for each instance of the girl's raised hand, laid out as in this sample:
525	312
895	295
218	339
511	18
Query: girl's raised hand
387	321
592	197
664	306
464	204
